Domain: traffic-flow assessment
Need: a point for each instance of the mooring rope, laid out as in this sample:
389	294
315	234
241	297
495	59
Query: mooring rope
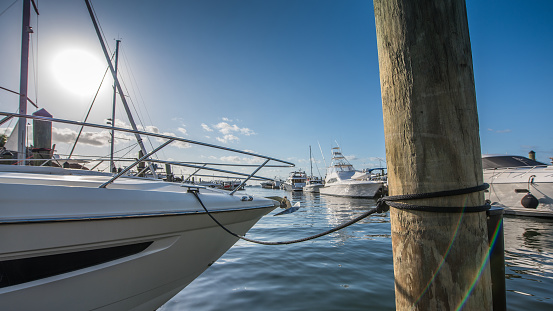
391	201
382	206
348	223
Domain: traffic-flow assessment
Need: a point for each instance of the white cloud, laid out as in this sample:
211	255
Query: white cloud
227	138
65	135
206	127
153	129
182	130
101	139
499	131
178	144
225	128
231	159
238	159
228	130
351	158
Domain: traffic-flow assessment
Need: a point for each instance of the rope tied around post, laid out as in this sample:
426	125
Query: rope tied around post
346	224
384	203
381	207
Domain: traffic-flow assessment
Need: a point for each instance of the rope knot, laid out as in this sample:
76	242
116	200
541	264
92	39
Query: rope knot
382	206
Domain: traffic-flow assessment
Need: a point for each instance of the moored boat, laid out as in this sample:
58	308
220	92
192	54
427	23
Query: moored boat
313	184
83	239
343	180
511	178
295	181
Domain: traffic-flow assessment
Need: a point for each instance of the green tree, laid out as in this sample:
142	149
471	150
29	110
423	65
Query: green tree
3	139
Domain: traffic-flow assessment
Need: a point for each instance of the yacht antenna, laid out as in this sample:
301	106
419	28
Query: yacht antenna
311	161
322	154
112	164
118	86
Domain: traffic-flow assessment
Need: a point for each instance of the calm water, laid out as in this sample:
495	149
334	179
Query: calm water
348	270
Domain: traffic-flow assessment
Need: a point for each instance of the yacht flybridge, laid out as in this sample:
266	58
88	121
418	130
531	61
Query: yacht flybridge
81	239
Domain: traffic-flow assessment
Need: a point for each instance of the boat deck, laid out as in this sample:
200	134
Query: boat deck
515	211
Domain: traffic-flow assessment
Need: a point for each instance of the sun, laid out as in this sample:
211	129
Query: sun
78	71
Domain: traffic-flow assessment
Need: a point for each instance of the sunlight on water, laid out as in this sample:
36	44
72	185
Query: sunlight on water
347	270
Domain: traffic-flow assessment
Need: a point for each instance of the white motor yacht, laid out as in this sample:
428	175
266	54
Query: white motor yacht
512	177
295	181
77	239
343	180
313	185
69	243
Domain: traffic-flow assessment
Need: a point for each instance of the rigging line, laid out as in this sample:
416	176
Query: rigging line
8	7
88	113
17	93
35	7
322	154
37	51
134	82
124	66
140	103
318	169
127	147
136	112
34	68
99	26
130	150
9	124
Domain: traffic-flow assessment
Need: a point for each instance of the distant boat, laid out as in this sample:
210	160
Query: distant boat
295	181
313	183
83	239
343	180
511	178
271	184
267	185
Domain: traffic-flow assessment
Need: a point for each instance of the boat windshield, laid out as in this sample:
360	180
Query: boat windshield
508	161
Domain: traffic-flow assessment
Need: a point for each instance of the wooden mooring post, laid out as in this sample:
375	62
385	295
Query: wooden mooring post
432	144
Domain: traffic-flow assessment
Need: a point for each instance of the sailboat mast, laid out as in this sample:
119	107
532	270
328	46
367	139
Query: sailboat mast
22	124
118	85
310	160
112	164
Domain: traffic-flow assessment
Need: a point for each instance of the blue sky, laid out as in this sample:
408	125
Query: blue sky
274	77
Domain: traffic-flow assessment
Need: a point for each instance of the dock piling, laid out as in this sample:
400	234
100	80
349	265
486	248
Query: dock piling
432	144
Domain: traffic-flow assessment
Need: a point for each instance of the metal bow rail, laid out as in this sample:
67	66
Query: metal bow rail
170	139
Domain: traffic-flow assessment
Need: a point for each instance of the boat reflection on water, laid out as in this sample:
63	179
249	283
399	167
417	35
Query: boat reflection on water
528	263
343	209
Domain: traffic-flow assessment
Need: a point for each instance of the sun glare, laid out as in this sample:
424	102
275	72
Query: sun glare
78	71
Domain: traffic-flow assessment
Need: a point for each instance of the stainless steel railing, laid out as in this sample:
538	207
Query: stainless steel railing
170	139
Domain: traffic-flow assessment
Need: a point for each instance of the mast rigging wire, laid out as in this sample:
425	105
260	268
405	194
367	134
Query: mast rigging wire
88	113
8	7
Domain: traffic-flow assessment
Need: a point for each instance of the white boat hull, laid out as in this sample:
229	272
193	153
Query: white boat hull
508	186
171	240
353	189
293	187
312	188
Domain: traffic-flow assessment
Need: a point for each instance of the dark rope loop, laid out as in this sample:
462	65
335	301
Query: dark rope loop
384	203
348	223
